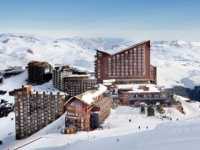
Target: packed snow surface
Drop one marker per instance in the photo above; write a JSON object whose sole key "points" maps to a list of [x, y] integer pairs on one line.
{"points": [[125, 127]]}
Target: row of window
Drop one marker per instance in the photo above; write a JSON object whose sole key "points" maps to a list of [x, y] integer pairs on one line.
{"points": [[129, 63]]}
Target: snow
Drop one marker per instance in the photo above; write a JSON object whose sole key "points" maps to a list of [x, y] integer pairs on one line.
{"points": [[14, 82], [90, 96], [7, 129], [20, 49], [174, 137], [191, 109], [136, 88], [119, 132], [177, 62], [78, 75], [55, 127]]}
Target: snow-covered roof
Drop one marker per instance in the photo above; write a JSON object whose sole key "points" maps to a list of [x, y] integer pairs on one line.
{"points": [[48, 92], [35, 90], [139, 88], [89, 96], [78, 75], [124, 49], [62, 67], [108, 82]]}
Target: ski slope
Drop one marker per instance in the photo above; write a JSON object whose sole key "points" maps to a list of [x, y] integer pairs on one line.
{"points": [[155, 132]]}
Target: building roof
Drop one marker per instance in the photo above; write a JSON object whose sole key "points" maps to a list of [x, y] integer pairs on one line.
{"points": [[139, 88], [69, 68], [123, 50], [77, 75], [108, 82], [135, 45], [39, 64], [104, 52], [62, 67], [89, 97], [28, 88]]}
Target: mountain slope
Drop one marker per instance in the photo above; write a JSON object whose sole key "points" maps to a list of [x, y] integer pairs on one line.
{"points": [[177, 61]]}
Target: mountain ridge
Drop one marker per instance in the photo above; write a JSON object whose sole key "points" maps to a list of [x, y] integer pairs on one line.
{"points": [[177, 61]]}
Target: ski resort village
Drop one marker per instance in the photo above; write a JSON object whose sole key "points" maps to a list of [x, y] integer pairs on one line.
{"points": [[120, 105]]}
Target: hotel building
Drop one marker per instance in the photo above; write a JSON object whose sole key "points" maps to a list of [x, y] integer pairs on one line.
{"points": [[131, 65]]}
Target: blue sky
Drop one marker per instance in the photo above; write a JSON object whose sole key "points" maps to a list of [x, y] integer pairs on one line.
{"points": [[139, 19]]}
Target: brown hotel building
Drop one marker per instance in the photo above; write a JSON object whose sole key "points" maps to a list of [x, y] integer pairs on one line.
{"points": [[131, 65]]}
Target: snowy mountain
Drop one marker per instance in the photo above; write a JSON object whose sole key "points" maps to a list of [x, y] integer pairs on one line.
{"points": [[177, 61]]}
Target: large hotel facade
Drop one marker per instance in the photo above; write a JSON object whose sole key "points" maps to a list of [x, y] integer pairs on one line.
{"points": [[131, 65]]}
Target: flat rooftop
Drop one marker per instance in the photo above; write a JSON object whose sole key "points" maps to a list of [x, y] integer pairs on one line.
{"points": [[139, 88]]}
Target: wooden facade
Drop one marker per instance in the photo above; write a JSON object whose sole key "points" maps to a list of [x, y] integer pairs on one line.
{"points": [[80, 115], [77, 114]]}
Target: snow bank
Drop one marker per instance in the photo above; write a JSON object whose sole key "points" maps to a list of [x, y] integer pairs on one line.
{"points": [[7, 130]]}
